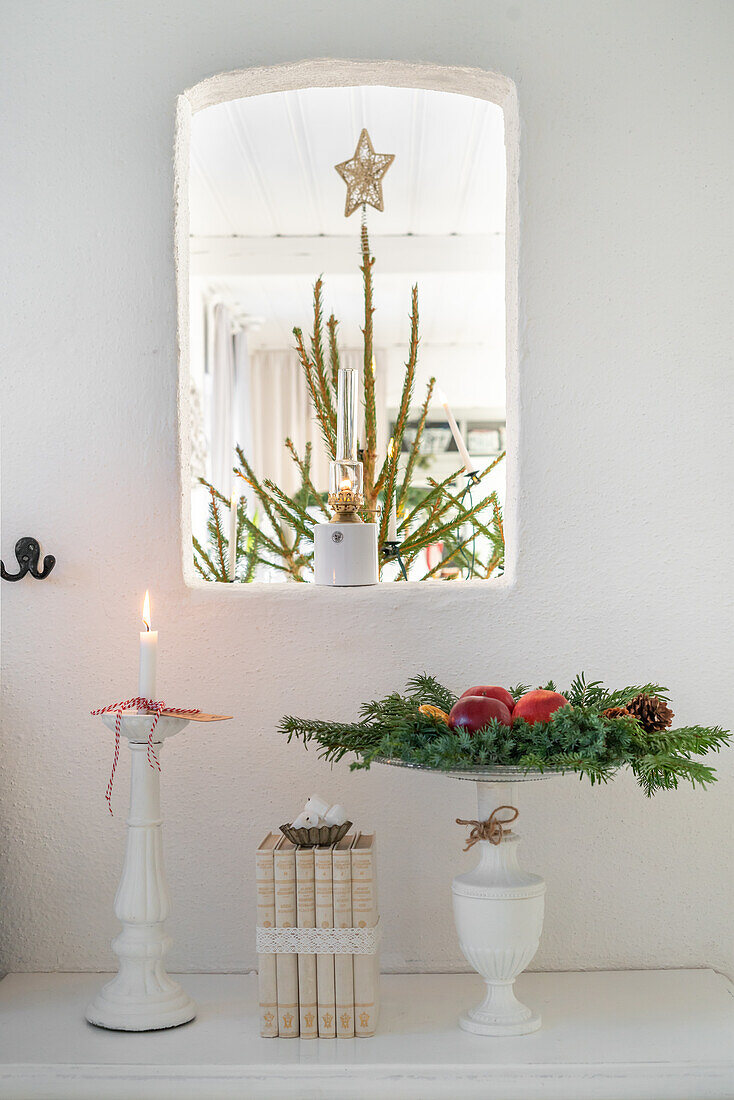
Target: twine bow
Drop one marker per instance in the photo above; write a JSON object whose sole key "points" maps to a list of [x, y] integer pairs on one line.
{"points": [[152, 706], [493, 829]]}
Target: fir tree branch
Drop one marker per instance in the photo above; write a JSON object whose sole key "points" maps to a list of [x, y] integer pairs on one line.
{"points": [[317, 351], [216, 522], [493, 463], [427, 689], [213, 574], [332, 324], [492, 565], [304, 469], [219, 496], [292, 513], [662, 771], [407, 394], [392, 471], [425, 504], [263, 538], [322, 413], [498, 523], [248, 476], [416, 446], [409, 379], [273, 509], [200, 569], [417, 541], [252, 556], [370, 413], [449, 557]]}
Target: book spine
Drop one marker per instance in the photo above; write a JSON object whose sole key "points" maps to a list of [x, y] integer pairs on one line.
{"points": [[343, 965], [286, 966], [325, 963], [306, 910], [266, 979], [364, 914]]}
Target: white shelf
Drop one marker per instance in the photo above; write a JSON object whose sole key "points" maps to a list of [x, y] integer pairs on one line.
{"points": [[624, 1035]]}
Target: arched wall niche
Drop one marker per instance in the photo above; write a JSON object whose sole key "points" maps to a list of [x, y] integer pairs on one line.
{"points": [[344, 73]]}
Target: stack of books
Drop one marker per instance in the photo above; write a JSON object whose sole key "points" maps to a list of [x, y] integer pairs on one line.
{"points": [[317, 995]]}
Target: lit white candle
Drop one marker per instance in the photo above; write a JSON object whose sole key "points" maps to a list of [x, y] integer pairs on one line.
{"points": [[148, 655], [232, 555], [469, 466], [392, 523]]}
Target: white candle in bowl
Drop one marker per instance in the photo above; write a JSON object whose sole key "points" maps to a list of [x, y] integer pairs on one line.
{"points": [[469, 466], [316, 805], [148, 655], [336, 815]]}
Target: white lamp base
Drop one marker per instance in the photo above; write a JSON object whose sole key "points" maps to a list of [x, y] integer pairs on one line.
{"points": [[345, 554]]}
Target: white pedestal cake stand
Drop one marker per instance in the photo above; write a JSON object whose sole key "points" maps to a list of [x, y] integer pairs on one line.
{"points": [[142, 997], [498, 907]]}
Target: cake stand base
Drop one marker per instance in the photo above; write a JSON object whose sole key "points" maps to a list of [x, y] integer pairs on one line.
{"points": [[500, 1013], [498, 910]]}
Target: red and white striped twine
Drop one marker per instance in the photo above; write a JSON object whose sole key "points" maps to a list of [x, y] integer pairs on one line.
{"points": [[153, 706]]}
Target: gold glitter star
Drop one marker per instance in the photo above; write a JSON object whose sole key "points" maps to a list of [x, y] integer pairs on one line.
{"points": [[363, 175]]}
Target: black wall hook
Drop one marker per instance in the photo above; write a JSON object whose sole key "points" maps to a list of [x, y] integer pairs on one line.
{"points": [[28, 551]]}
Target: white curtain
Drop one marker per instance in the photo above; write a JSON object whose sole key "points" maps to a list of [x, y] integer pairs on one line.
{"points": [[220, 366], [280, 409]]}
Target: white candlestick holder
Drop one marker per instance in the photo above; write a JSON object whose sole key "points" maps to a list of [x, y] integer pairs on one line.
{"points": [[141, 996]]}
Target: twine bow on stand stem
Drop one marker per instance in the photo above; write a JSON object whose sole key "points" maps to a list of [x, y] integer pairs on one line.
{"points": [[150, 706], [493, 829]]}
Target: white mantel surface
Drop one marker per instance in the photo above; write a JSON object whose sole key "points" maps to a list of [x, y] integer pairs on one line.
{"points": [[616, 1035]]}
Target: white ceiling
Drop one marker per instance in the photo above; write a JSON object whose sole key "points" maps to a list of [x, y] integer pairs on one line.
{"points": [[267, 217], [448, 306], [264, 166]]}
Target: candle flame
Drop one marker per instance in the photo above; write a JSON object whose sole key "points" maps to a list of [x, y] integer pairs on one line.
{"points": [[441, 396], [146, 610], [391, 448], [345, 483]]}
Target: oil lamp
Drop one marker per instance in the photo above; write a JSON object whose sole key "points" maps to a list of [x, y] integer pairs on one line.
{"points": [[345, 550]]}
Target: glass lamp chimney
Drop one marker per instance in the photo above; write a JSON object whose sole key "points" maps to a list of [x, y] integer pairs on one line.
{"points": [[346, 415], [345, 472]]}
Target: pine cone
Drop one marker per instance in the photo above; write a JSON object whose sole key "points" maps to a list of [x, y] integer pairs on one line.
{"points": [[615, 712], [651, 712]]}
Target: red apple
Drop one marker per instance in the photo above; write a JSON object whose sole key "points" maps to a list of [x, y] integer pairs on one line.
{"points": [[537, 706], [473, 712], [492, 692]]}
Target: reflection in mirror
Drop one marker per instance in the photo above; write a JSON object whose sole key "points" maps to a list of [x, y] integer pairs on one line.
{"points": [[391, 268]]}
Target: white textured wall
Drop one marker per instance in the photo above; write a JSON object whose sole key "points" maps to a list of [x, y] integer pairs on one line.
{"points": [[624, 514]]}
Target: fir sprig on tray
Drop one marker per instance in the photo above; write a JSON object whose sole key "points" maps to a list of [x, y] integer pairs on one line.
{"points": [[578, 738]]}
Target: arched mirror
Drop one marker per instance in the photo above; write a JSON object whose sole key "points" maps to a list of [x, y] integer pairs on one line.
{"points": [[347, 275]]}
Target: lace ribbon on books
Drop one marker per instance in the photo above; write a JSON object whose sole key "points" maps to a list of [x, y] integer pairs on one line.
{"points": [[139, 703], [493, 829], [318, 941]]}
